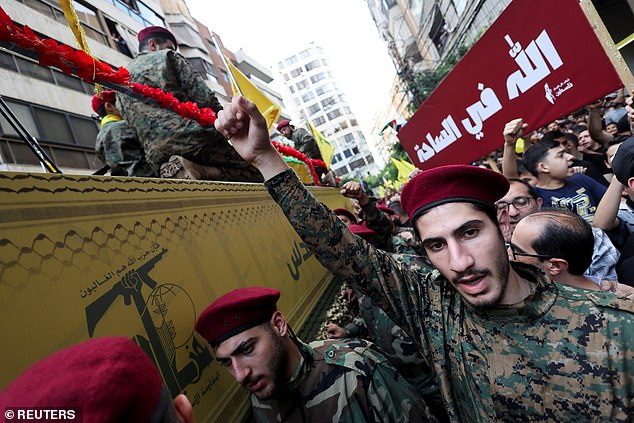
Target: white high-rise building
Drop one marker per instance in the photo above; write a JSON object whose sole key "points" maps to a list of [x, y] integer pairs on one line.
{"points": [[310, 82]]}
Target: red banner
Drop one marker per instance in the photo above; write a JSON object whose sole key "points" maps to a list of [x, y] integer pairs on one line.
{"points": [[539, 60]]}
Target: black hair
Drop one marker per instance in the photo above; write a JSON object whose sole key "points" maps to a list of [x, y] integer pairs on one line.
{"points": [[567, 236], [577, 129], [552, 135], [396, 206], [572, 138], [143, 45], [531, 190], [535, 155], [101, 110]]}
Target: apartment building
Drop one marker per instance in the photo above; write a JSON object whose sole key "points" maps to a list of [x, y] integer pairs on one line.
{"points": [[313, 87]]}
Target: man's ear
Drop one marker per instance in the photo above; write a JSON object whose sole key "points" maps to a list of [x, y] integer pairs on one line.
{"points": [[630, 183], [184, 409], [279, 324], [539, 202], [543, 167], [556, 266]]}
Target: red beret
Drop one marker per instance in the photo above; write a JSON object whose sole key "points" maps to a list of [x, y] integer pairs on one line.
{"points": [[283, 123], [385, 209], [362, 231], [346, 213], [235, 312], [103, 379], [453, 183], [107, 96], [156, 31]]}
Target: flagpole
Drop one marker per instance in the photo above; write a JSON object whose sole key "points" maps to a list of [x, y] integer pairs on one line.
{"points": [[224, 61]]}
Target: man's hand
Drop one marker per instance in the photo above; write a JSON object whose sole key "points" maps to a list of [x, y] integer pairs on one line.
{"points": [[513, 130], [335, 331], [619, 289], [245, 126], [354, 190]]}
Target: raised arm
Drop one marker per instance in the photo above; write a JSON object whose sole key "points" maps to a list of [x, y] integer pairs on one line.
{"points": [[512, 131], [401, 293], [605, 216]]}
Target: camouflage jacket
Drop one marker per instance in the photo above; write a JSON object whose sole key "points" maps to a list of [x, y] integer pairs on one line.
{"points": [[398, 345], [343, 381], [118, 147], [563, 354], [164, 133], [304, 142]]}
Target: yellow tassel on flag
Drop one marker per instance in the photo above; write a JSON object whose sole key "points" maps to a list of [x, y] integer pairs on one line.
{"points": [[78, 31]]}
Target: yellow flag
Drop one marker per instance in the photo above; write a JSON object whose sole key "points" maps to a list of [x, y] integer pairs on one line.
{"points": [[325, 148], [404, 169], [269, 110]]}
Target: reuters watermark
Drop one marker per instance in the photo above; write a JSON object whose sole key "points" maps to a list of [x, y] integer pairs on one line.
{"points": [[31, 414]]}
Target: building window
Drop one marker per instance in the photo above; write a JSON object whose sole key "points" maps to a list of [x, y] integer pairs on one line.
{"points": [[357, 164], [348, 138], [336, 158], [353, 122], [301, 85], [334, 114], [52, 125], [328, 102], [307, 97], [313, 109], [312, 65], [292, 89], [205, 69], [369, 159], [355, 150], [225, 76], [347, 153], [321, 90], [343, 124], [318, 77], [304, 54], [286, 77], [319, 121], [296, 72], [291, 60]]}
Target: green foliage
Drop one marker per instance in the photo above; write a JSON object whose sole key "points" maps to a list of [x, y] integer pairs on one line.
{"points": [[425, 82]]}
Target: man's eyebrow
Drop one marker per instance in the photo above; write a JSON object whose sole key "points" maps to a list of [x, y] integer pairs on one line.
{"points": [[238, 349], [466, 225]]}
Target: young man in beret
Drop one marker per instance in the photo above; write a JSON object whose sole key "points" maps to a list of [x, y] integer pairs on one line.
{"points": [[102, 380], [117, 145], [290, 381], [507, 343], [175, 146]]}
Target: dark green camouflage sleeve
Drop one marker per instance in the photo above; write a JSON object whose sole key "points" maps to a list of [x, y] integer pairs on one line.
{"points": [[379, 223], [404, 294], [194, 87]]}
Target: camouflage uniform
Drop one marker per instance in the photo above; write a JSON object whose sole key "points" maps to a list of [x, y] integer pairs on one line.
{"points": [[372, 322], [562, 354], [163, 133], [304, 142], [343, 381], [118, 147]]}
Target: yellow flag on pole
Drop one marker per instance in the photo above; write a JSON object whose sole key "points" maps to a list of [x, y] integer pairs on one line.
{"points": [[269, 110], [404, 169], [325, 148]]}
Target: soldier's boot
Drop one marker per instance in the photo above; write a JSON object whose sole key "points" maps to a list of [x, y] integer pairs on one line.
{"points": [[178, 167]]}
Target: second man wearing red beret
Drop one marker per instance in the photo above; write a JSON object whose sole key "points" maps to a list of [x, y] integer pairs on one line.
{"points": [[290, 381]]}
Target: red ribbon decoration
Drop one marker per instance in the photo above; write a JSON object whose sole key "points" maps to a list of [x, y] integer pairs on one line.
{"points": [[93, 71]]}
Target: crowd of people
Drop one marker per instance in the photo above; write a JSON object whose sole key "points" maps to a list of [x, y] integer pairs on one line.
{"points": [[482, 296]]}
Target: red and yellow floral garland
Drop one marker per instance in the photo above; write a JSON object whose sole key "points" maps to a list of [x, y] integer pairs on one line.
{"points": [[70, 60]]}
